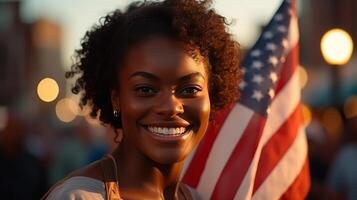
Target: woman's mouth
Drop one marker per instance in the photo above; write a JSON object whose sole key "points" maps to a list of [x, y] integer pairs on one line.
{"points": [[169, 131]]}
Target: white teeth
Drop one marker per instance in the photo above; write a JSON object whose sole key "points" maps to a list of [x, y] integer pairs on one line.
{"points": [[166, 130]]}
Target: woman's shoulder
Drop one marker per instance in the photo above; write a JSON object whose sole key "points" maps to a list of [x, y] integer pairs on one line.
{"points": [[78, 187], [85, 183]]}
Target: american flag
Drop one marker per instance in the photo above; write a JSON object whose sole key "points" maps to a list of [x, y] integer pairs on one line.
{"points": [[256, 148]]}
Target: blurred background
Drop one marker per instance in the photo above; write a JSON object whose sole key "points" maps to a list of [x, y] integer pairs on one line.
{"points": [[44, 135]]}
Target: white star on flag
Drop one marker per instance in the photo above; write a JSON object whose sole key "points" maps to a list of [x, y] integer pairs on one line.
{"points": [[268, 110], [257, 64], [268, 35], [285, 43], [243, 70], [273, 76], [273, 60], [271, 93], [258, 79], [256, 53], [270, 46], [278, 17], [282, 29], [242, 85], [258, 95]]}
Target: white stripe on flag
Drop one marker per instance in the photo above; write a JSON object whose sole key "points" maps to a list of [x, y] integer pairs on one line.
{"points": [[293, 37], [282, 106], [281, 109], [222, 148], [246, 188], [288, 168]]}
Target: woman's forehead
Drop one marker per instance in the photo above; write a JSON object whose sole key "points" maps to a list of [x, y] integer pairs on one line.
{"points": [[162, 54]]}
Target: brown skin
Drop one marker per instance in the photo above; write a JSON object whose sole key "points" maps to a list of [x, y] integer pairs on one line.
{"points": [[159, 85]]}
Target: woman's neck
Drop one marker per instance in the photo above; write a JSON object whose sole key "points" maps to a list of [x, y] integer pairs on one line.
{"points": [[140, 176]]}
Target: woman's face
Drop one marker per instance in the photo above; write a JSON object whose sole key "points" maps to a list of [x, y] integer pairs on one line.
{"points": [[163, 99]]}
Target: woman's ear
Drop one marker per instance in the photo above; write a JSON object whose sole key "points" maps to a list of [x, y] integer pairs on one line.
{"points": [[114, 97]]}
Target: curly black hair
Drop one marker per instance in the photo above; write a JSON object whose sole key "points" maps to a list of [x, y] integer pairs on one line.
{"points": [[193, 22]]}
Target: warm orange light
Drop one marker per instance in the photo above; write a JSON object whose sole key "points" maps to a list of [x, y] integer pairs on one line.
{"points": [[332, 121], [73, 106], [303, 77], [306, 113], [64, 111], [47, 89], [350, 107], [336, 47]]}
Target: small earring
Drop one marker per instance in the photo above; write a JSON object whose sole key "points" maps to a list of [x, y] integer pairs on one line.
{"points": [[116, 113]]}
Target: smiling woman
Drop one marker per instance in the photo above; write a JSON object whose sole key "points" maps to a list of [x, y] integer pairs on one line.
{"points": [[158, 71], [162, 89]]}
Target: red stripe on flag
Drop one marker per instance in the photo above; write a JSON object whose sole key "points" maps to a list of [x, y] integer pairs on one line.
{"points": [[240, 160], [277, 146], [288, 68], [301, 186], [198, 162]]}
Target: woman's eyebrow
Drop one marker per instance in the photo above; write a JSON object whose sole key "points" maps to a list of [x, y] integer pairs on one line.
{"points": [[144, 74], [191, 76], [154, 77]]}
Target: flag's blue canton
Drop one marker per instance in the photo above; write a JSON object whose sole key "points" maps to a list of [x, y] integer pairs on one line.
{"points": [[261, 65]]}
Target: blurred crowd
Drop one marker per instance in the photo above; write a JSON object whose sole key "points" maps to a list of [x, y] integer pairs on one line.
{"points": [[333, 158], [33, 156]]}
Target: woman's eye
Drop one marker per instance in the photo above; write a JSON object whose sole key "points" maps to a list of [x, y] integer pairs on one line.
{"points": [[145, 90], [190, 90]]}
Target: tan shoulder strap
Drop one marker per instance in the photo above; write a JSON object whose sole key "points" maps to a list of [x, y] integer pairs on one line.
{"points": [[110, 177]]}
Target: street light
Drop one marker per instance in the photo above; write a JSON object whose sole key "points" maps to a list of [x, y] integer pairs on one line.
{"points": [[47, 89], [336, 47]]}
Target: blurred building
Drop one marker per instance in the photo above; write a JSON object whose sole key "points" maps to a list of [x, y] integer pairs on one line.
{"points": [[13, 50], [28, 53], [316, 18]]}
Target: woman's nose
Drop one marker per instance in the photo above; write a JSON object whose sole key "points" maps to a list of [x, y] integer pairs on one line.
{"points": [[169, 105]]}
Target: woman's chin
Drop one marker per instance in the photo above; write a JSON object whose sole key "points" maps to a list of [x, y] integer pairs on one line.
{"points": [[169, 157]]}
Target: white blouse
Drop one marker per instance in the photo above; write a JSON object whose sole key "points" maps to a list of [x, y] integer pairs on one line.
{"points": [[85, 188], [79, 188]]}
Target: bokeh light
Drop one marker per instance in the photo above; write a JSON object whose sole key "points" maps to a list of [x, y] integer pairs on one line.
{"points": [[350, 107], [336, 47], [303, 77], [306, 113], [47, 89], [73, 106], [64, 111], [332, 121]]}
